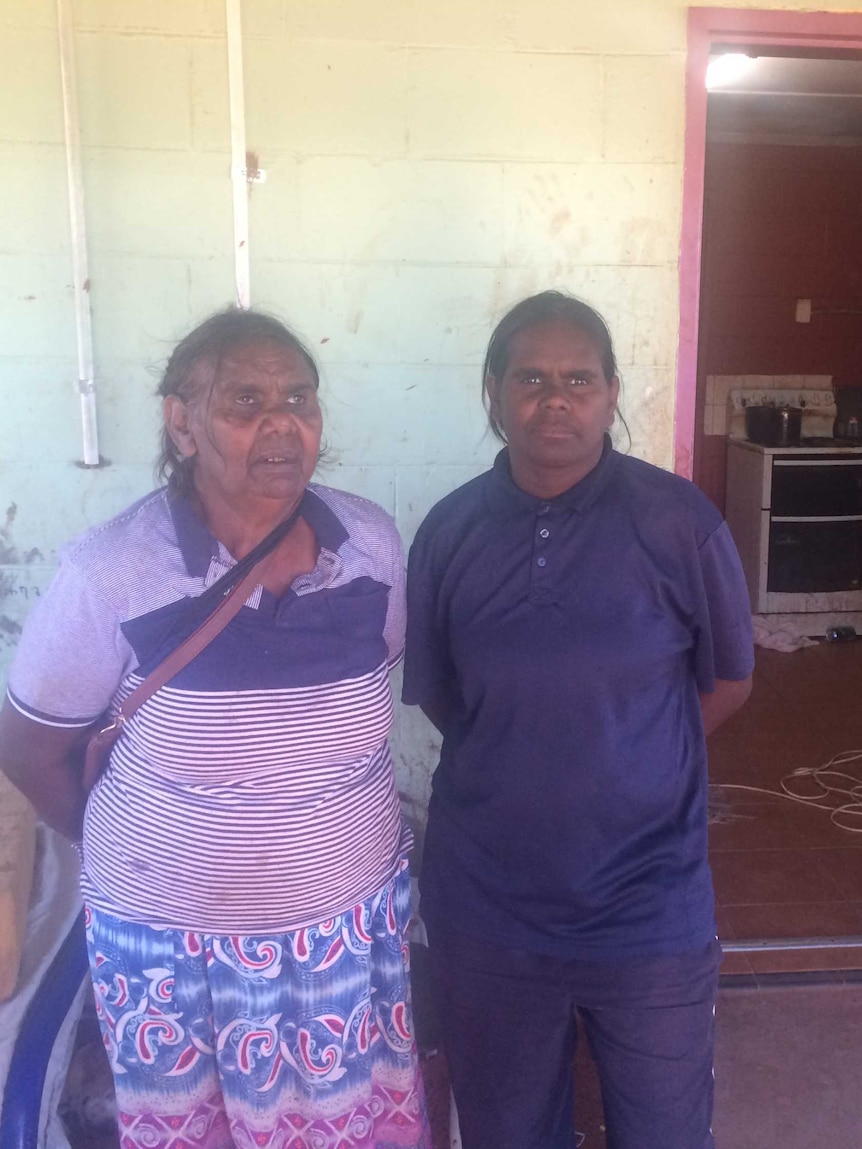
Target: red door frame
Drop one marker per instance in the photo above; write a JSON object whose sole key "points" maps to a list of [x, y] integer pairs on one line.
{"points": [[708, 26]]}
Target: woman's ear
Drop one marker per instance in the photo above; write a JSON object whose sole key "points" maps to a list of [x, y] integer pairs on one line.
{"points": [[493, 392], [614, 397], [177, 423]]}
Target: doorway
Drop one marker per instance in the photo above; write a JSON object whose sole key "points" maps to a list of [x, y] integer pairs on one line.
{"points": [[760, 156], [790, 33], [781, 254]]}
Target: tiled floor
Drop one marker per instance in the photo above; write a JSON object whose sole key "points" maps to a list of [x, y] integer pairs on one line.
{"points": [[782, 869]]}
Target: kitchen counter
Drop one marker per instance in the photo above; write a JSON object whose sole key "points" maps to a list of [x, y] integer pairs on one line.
{"points": [[800, 450]]}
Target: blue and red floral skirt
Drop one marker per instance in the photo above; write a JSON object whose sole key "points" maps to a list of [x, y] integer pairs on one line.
{"points": [[301, 1040]]}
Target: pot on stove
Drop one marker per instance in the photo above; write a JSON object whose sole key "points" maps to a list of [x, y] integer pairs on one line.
{"points": [[773, 426]]}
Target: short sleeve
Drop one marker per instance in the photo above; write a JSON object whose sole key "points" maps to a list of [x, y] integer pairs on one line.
{"points": [[71, 656], [427, 663], [725, 649], [396, 610]]}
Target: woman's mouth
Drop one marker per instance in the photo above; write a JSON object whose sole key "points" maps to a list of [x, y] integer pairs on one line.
{"points": [[276, 460], [554, 431]]}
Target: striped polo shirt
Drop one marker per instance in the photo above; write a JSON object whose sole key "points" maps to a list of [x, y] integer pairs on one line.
{"points": [[255, 791]]}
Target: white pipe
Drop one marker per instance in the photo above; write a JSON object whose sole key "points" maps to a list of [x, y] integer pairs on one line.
{"points": [[238, 173], [80, 272]]}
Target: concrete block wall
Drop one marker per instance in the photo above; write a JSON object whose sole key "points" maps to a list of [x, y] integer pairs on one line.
{"points": [[426, 166]]}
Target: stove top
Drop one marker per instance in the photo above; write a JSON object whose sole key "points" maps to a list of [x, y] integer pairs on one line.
{"points": [[828, 441], [808, 445]]}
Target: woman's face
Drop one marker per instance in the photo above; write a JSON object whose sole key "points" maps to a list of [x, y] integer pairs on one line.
{"points": [[255, 432], [554, 405]]}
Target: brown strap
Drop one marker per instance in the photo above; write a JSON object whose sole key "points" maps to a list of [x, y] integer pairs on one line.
{"points": [[209, 629]]}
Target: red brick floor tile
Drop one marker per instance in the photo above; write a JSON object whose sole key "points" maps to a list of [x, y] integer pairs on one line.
{"points": [[436, 1080], [845, 868], [724, 923], [763, 877], [773, 824], [805, 961], [589, 1112], [796, 920], [734, 965]]}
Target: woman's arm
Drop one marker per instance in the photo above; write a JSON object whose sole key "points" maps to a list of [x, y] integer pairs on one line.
{"points": [[724, 663], [440, 706], [725, 700], [44, 762], [429, 676]]}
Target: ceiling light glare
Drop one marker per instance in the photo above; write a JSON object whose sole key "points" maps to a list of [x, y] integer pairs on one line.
{"points": [[725, 70]]}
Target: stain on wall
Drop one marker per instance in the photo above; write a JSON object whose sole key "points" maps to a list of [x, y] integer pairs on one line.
{"points": [[9, 555]]}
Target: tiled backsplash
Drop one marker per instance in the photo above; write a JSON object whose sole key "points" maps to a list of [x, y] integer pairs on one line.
{"points": [[716, 411], [804, 397], [818, 408]]}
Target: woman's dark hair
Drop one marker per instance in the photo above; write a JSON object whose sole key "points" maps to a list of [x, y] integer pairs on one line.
{"points": [[194, 363], [546, 307]]}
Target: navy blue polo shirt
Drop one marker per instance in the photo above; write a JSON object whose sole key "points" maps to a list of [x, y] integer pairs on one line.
{"points": [[568, 813]]}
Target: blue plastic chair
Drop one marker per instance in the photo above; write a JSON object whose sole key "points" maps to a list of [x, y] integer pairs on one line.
{"points": [[22, 1097]]}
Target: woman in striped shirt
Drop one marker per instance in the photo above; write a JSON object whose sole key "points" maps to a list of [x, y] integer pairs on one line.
{"points": [[244, 869]]}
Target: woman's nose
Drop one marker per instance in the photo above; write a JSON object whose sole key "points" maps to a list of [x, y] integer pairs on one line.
{"points": [[556, 394], [280, 417]]}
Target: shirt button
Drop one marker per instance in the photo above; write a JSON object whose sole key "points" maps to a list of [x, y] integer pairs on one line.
{"points": [[543, 509], [542, 562], [544, 533]]}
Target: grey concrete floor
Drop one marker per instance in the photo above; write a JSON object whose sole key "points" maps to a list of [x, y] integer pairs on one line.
{"points": [[789, 1067]]}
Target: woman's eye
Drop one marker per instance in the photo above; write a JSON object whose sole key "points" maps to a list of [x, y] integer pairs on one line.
{"points": [[579, 381], [296, 400], [246, 400]]}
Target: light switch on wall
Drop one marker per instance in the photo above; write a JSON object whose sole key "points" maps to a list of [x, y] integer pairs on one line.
{"points": [[803, 310]]}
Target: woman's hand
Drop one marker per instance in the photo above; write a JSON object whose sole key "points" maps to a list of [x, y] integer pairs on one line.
{"points": [[45, 763], [725, 700]]}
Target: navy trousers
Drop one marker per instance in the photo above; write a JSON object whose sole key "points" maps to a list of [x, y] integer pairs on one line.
{"points": [[510, 1031]]}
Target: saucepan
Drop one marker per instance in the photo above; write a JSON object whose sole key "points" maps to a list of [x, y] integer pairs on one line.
{"points": [[773, 426]]}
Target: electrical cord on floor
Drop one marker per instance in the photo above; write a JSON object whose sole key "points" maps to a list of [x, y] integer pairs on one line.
{"points": [[826, 778]]}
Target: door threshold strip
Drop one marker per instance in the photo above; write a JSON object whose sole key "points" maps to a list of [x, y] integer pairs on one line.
{"points": [[771, 945]]}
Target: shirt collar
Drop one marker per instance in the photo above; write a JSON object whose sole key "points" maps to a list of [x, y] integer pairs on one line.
{"points": [[506, 496], [199, 547]]}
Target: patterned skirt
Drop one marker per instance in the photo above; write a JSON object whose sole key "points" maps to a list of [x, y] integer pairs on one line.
{"points": [[302, 1040]]}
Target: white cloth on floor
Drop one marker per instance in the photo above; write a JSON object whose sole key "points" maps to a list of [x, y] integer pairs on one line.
{"points": [[776, 635]]}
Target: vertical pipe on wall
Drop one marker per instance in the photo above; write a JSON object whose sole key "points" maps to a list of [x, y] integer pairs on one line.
{"points": [[81, 275], [239, 174]]}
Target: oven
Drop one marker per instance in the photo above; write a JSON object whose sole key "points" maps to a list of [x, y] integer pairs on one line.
{"points": [[815, 526], [796, 516]]}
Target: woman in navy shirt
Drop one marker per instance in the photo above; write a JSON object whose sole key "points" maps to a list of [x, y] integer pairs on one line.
{"points": [[577, 623]]}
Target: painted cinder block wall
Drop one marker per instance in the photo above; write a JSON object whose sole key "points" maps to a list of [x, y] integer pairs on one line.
{"points": [[426, 166]]}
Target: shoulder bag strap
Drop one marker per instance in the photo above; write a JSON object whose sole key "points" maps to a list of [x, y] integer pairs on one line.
{"points": [[230, 603]]}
